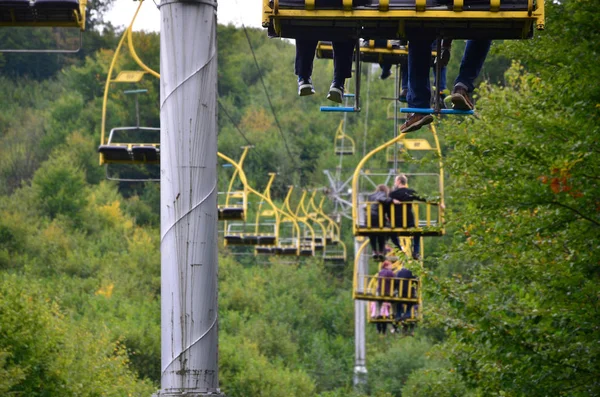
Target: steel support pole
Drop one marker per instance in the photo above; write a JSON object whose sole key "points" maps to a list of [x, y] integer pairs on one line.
{"points": [[360, 349], [188, 116]]}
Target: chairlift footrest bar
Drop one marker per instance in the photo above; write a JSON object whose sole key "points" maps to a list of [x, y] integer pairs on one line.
{"points": [[433, 111], [339, 109]]}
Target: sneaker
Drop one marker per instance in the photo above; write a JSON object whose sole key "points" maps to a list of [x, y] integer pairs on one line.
{"points": [[415, 121], [305, 86], [417, 257], [385, 73], [403, 94], [336, 92], [460, 98]]}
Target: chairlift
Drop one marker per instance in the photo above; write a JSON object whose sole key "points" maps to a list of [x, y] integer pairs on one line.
{"points": [[233, 203], [62, 14], [428, 215], [260, 232], [395, 290], [344, 145], [129, 145]]}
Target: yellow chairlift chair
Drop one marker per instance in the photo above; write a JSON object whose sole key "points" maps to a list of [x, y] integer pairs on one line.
{"points": [[319, 231], [288, 233], [403, 19], [307, 233], [373, 288], [233, 203], [118, 147], [264, 229], [428, 215], [63, 14], [344, 144]]}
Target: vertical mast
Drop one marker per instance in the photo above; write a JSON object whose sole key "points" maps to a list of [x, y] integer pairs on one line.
{"points": [[188, 115], [360, 349]]}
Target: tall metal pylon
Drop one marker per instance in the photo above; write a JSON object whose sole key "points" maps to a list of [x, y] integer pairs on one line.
{"points": [[188, 116]]}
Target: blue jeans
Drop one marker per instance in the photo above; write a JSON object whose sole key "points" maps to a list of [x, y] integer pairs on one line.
{"points": [[472, 62], [404, 77], [419, 60], [416, 245], [342, 58]]}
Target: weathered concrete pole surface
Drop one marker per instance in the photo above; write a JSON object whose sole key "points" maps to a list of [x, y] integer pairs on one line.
{"points": [[188, 116]]}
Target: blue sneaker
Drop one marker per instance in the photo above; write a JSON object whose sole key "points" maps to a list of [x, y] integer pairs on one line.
{"points": [[336, 92], [305, 86]]}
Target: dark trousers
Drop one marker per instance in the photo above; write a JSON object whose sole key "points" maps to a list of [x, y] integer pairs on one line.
{"points": [[419, 60], [416, 245], [342, 58], [381, 328], [395, 240], [472, 62], [377, 242]]}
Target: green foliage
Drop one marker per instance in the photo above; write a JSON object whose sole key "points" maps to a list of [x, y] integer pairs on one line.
{"points": [[59, 186], [43, 353]]}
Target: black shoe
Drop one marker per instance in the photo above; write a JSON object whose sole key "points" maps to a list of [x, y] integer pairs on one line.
{"points": [[460, 98], [336, 92], [415, 121], [417, 257], [403, 94], [305, 86], [385, 73]]}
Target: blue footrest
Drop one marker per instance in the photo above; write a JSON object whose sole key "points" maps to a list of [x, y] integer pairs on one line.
{"points": [[344, 109], [432, 111]]}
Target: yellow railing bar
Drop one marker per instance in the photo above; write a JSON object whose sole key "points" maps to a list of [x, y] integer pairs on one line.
{"points": [[235, 173], [356, 262], [267, 194], [253, 191]]}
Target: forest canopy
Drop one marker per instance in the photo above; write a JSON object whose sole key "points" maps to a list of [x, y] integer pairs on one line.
{"points": [[511, 299]]}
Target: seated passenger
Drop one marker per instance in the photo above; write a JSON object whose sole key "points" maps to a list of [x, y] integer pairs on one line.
{"points": [[419, 53], [380, 201], [342, 67], [406, 289], [384, 279], [381, 312], [402, 193], [377, 240]]}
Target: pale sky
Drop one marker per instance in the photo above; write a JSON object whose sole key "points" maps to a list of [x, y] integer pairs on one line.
{"points": [[237, 12]]}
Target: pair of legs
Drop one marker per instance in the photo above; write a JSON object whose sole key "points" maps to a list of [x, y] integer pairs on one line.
{"points": [[419, 96], [377, 242], [342, 66], [404, 311], [381, 328], [416, 247]]}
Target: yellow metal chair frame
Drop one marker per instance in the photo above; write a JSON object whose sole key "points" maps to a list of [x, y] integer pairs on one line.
{"points": [[369, 53], [75, 20], [112, 152], [320, 239], [344, 145], [385, 19], [366, 288], [286, 245], [424, 226], [235, 211], [25, 14], [236, 233], [307, 243]]}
